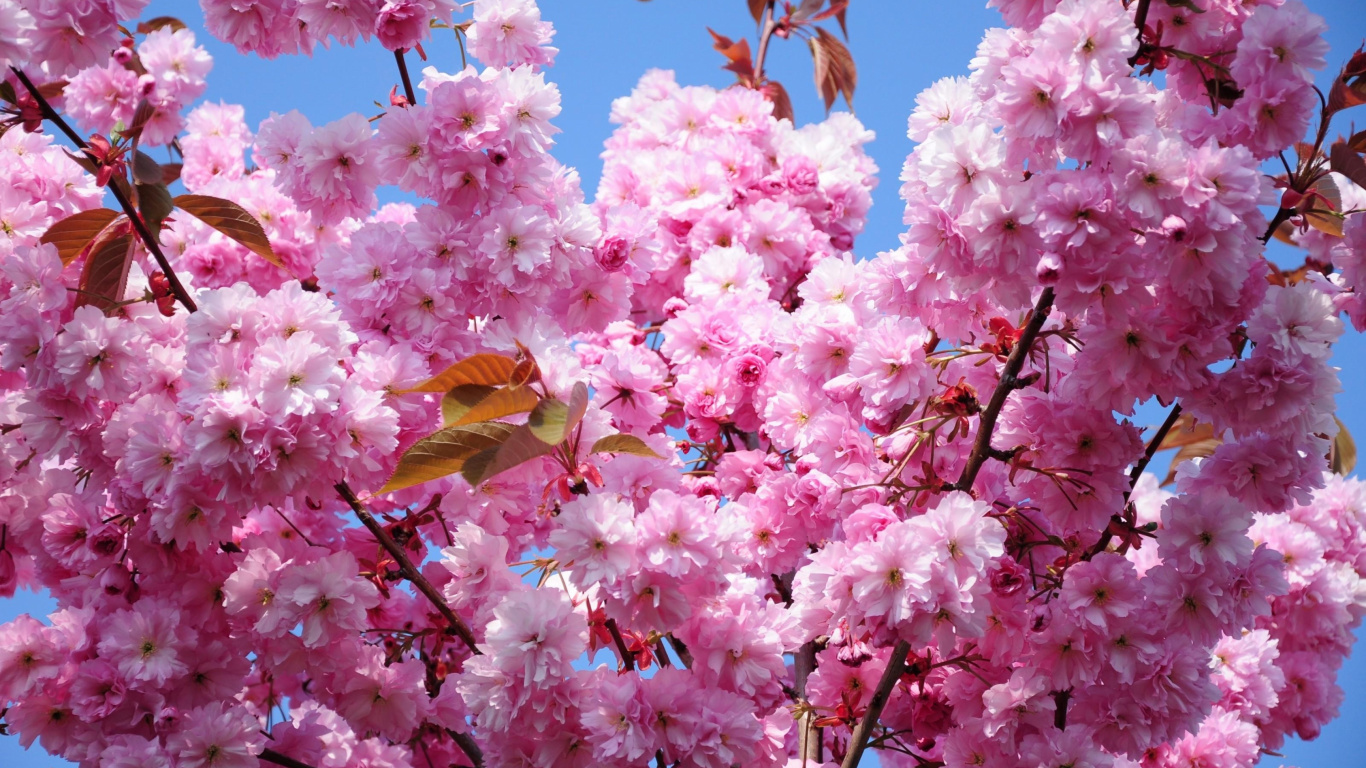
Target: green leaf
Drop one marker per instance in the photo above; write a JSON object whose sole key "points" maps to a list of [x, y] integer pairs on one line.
{"points": [[624, 444], [232, 220], [460, 400], [145, 169], [154, 203], [552, 420], [76, 232], [485, 369], [444, 453], [500, 403], [520, 447]]}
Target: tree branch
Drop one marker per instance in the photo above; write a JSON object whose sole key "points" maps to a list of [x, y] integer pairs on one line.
{"points": [[1153, 444], [410, 571], [407, 81], [1141, 21], [468, 746], [858, 741], [148, 239], [981, 448], [271, 756], [628, 659]]}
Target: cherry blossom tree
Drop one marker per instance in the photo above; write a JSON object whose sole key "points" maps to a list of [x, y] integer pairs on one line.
{"points": [[670, 477]]}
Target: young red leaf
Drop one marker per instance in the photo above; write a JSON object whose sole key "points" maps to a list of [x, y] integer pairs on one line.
{"points": [[76, 232], [232, 220], [1326, 215], [782, 103], [756, 9], [487, 369], [834, 69], [805, 10], [1348, 163], [737, 55], [1349, 87], [170, 173], [105, 275]]}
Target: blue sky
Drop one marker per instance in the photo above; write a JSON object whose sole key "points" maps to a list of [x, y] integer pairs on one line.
{"points": [[900, 46]]}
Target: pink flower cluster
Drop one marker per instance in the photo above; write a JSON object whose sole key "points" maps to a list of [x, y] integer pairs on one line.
{"points": [[912, 472], [270, 28]]}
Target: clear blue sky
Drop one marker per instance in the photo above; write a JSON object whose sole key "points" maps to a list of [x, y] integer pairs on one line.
{"points": [[900, 46]]}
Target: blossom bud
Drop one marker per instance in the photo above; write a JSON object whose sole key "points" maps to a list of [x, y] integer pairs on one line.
{"points": [[123, 55], [612, 253], [770, 185], [673, 306], [146, 84], [1049, 269], [105, 540], [115, 580]]}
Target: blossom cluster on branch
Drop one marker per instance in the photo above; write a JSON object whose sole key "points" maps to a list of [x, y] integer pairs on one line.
{"points": [[673, 478]]}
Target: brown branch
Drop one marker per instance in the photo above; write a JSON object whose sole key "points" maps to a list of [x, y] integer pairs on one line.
{"points": [[271, 756], [1151, 451], [148, 239], [628, 659], [468, 746], [981, 448], [858, 741], [410, 571], [407, 81]]}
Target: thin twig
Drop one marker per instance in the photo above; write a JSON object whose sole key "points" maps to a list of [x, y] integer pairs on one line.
{"points": [[409, 571], [1141, 21], [627, 657], [407, 81], [148, 239]]}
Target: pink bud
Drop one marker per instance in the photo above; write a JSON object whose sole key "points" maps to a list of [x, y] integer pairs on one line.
{"points": [[674, 305], [123, 55], [146, 84], [1049, 269]]}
